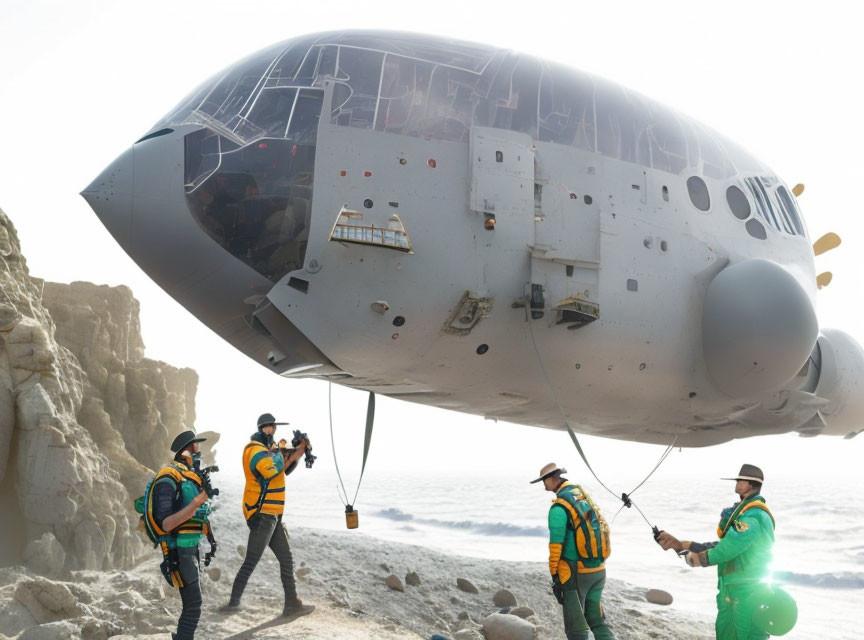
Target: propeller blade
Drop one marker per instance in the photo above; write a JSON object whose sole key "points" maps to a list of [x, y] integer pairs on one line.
{"points": [[798, 189], [827, 242], [824, 279]]}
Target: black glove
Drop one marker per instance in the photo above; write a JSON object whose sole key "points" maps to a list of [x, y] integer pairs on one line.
{"points": [[557, 589]]}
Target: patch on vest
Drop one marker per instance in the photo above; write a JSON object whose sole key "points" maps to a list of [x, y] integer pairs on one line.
{"points": [[741, 526]]}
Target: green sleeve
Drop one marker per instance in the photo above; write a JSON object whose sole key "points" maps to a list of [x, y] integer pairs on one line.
{"points": [[735, 542], [265, 464], [557, 524]]}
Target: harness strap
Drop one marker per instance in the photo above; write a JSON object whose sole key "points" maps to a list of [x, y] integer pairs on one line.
{"points": [[741, 510], [578, 522]]}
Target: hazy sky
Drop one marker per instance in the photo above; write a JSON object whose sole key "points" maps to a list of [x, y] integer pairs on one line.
{"points": [[82, 80]]}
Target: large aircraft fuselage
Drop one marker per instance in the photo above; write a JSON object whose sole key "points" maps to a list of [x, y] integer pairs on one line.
{"points": [[546, 241]]}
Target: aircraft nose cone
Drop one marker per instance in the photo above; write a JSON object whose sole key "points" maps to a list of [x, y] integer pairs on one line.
{"points": [[758, 327], [110, 196]]}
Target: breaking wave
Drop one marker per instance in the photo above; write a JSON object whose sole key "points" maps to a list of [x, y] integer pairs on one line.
{"points": [[839, 580], [480, 528]]}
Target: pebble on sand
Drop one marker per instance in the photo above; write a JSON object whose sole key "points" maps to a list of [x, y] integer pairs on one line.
{"points": [[412, 579], [658, 596], [394, 583], [466, 586], [505, 627], [504, 598]]}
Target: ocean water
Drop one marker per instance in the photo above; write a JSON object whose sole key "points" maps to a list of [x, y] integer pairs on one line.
{"points": [[818, 556]]}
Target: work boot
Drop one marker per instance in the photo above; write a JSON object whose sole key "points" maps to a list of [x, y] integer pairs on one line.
{"points": [[233, 606], [297, 609]]}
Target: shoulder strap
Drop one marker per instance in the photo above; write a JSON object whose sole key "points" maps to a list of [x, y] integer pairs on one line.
{"points": [[576, 521], [756, 503], [760, 505]]}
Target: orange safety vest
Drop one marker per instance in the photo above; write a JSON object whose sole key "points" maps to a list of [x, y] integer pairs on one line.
{"points": [[265, 481]]}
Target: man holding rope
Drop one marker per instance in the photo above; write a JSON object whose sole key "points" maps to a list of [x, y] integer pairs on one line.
{"points": [[742, 556]]}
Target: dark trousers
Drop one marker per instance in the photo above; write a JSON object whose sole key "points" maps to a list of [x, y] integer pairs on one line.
{"points": [[190, 594], [266, 530]]}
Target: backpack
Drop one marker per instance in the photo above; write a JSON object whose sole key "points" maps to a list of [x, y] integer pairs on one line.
{"points": [[144, 504], [590, 529]]}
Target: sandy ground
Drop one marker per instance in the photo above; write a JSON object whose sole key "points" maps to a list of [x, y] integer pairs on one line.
{"points": [[342, 573]]}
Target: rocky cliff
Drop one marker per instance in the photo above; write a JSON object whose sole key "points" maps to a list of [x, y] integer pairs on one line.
{"points": [[84, 418]]}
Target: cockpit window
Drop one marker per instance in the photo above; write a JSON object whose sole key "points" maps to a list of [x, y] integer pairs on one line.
{"points": [[738, 202], [791, 210], [774, 205], [256, 200], [437, 88], [698, 191]]}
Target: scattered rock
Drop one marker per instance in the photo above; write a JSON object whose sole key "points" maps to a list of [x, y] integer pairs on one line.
{"points": [[47, 601], [394, 583], [412, 579], [384, 567], [215, 574], [241, 550], [463, 615], [45, 555], [302, 572], [502, 627], [658, 596], [503, 598], [468, 634], [51, 631], [466, 586], [522, 612]]}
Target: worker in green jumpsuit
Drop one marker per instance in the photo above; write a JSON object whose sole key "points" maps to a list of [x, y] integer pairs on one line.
{"points": [[742, 556], [578, 547]]}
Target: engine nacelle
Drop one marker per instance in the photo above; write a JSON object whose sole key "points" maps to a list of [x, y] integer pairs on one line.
{"points": [[841, 382]]}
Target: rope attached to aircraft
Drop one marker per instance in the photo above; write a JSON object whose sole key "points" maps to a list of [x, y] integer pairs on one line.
{"points": [[625, 498]]}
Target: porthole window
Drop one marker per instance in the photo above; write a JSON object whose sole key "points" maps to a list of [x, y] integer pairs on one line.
{"points": [[738, 202], [665, 192], [756, 229], [698, 191]]}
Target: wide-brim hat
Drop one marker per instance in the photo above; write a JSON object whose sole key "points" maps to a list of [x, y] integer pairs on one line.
{"points": [[184, 440], [267, 418], [548, 471], [749, 472]]}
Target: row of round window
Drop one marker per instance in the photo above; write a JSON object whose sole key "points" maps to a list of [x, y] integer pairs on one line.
{"points": [[738, 203]]}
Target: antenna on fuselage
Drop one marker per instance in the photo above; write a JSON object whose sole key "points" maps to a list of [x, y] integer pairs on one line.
{"points": [[824, 244], [827, 242]]}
